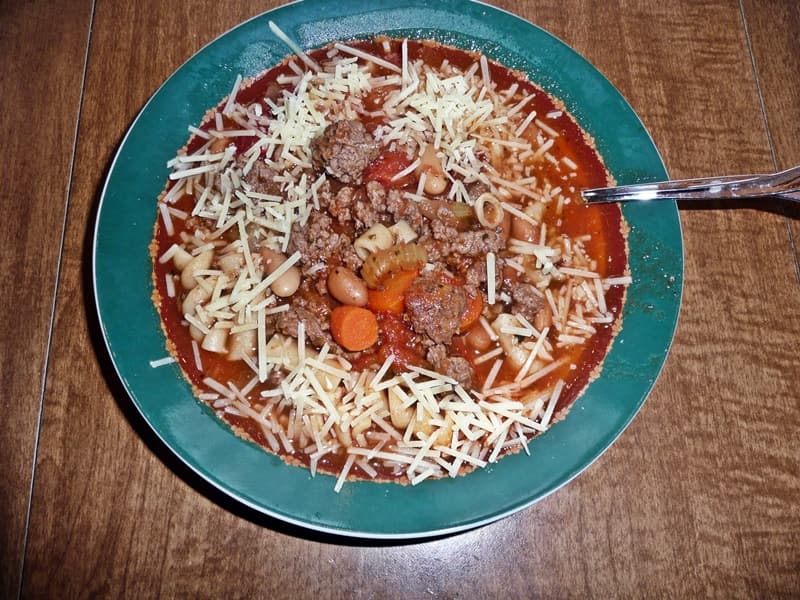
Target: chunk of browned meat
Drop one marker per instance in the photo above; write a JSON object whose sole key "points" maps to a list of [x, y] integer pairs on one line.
{"points": [[476, 189], [526, 300], [353, 208], [407, 210], [344, 149], [435, 308], [313, 310], [318, 243], [455, 367], [260, 178]]}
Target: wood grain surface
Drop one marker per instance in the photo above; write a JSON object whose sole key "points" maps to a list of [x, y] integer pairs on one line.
{"points": [[776, 56], [39, 105], [698, 498]]}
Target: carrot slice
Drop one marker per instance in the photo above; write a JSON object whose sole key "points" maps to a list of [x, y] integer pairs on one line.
{"points": [[472, 312], [390, 298], [354, 328]]}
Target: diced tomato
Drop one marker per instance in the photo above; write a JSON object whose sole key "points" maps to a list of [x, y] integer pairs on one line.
{"points": [[386, 166], [449, 279], [398, 339]]}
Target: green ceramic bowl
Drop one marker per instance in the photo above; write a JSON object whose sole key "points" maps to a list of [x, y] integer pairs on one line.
{"points": [[243, 471]]}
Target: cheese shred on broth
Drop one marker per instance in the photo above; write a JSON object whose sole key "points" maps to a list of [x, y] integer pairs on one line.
{"points": [[373, 260]]}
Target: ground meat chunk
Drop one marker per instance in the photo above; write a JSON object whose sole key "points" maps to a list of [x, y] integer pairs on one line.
{"points": [[356, 208], [407, 210], [455, 367], [345, 149], [435, 308], [318, 243], [340, 204], [476, 189], [313, 309], [445, 242], [476, 274], [526, 301], [260, 178]]}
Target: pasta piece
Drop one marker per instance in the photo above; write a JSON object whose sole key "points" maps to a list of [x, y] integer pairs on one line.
{"points": [[377, 237], [396, 258], [400, 414], [216, 340], [242, 343], [489, 211], [515, 354], [197, 295], [402, 232], [181, 258], [199, 263]]}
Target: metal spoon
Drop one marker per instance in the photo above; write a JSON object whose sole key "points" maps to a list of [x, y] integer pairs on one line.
{"points": [[784, 184]]}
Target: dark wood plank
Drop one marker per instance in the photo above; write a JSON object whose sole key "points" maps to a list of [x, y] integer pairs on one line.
{"points": [[773, 27], [697, 498], [43, 48], [776, 55]]}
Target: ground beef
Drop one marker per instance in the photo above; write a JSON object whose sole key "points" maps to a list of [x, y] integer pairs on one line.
{"points": [[313, 309], [476, 274], [399, 208], [344, 150], [260, 178], [455, 367], [367, 209], [317, 243], [374, 205], [463, 252], [357, 208], [435, 308], [476, 189], [340, 204], [526, 301]]}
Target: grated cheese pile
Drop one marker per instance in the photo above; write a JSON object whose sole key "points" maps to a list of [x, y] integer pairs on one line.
{"points": [[321, 405]]}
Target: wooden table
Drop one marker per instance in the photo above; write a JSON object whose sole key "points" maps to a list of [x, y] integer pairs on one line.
{"points": [[699, 497]]}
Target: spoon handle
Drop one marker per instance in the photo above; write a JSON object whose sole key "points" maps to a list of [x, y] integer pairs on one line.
{"points": [[784, 184]]}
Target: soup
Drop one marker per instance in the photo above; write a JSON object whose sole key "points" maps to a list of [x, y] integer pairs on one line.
{"points": [[373, 260]]}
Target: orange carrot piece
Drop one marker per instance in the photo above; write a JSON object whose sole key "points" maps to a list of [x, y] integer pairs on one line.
{"points": [[472, 312], [390, 298], [354, 328]]}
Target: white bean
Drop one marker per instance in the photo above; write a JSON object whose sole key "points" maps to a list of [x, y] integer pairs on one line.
{"points": [[443, 433], [543, 318], [514, 352], [431, 165], [288, 283], [231, 263], [347, 287], [523, 230], [497, 156], [535, 211], [479, 338]]}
